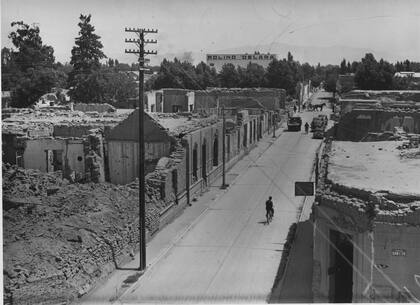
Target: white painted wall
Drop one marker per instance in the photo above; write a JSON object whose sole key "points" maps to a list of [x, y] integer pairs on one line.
{"points": [[151, 100], [34, 156]]}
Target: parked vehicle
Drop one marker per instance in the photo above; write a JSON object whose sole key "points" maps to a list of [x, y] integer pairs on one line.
{"points": [[318, 134], [318, 126], [294, 123], [324, 117]]}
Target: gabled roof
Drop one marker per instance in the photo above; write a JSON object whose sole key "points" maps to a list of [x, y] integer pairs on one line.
{"points": [[128, 130]]}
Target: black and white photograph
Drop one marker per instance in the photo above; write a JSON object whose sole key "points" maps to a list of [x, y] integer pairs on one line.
{"points": [[210, 152]]}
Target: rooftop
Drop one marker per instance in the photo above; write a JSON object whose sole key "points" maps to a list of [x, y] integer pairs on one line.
{"points": [[19, 120], [177, 124], [375, 167]]}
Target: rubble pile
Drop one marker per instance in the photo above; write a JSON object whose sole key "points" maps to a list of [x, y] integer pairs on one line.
{"points": [[410, 149], [59, 238]]}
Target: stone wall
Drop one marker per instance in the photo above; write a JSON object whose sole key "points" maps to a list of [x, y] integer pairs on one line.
{"points": [[74, 130]]}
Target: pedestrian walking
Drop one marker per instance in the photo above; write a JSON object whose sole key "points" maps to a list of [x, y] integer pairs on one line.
{"points": [[306, 127], [294, 109], [269, 210]]}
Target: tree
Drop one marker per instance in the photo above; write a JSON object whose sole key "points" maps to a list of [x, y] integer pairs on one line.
{"points": [[31, 53], [343, 67], [371, 75], [35, 83], [206, 76], [118, 86], [280, 75], [169, 75], [252, 76], [28, 69], [85, 80], [228, 76]]}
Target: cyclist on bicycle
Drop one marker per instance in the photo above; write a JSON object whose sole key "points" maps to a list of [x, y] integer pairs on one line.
{"points": [[269, 209]]}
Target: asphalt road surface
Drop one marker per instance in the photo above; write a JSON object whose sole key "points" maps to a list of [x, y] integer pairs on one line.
{"points": [[230, 254]]}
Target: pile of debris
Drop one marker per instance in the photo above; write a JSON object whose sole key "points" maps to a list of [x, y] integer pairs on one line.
{"points": [[60, 238]]}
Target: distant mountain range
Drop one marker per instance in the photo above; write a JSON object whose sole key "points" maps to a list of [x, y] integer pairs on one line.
{"points": [[311, 54]]}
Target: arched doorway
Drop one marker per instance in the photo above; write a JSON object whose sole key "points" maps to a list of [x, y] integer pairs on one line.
{"points": [[195, 165], [216, 151], [245, 139], [204, 160]]}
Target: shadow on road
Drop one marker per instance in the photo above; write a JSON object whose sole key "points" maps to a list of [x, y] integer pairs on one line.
{"points": [[294, 283]]}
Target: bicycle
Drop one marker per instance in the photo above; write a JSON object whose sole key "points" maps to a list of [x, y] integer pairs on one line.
{"points": [[269, 216]]}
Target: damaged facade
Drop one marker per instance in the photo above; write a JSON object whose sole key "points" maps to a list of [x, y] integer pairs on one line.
{"points": [[370, 115], [367, 223], [58, 140], [182, 100], [82, 231]]}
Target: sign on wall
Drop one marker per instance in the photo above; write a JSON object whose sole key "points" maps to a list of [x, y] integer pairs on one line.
{"points": [[398, 252], [304, 188]]}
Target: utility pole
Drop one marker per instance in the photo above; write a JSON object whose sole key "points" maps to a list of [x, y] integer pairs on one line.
{"points": [[140, 42]]}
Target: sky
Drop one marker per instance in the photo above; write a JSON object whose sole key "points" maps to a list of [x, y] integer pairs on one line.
{"points": [[202, 26]]}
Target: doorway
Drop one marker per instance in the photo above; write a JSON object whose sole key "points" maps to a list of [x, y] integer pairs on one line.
{"points": [[341, 268], [204, 161], [195, 165], [216, 151], [54, 160]]}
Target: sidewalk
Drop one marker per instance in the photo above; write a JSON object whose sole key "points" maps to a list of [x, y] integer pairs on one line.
{"points": [[120, 280]]}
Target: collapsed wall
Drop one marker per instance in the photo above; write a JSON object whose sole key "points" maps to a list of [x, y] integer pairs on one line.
{"points": [[61, 238], [363, 205]]}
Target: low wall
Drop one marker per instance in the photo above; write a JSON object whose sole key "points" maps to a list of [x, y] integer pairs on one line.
{"points": [[93, 107]]}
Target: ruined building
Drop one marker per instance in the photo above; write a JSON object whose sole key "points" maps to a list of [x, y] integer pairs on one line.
{"points": [[365, 112], [58, 140], [366, 221], [183, 100]]}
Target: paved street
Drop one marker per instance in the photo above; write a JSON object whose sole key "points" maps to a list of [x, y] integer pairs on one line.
{"points": [[221, 249]]}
